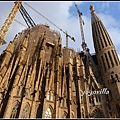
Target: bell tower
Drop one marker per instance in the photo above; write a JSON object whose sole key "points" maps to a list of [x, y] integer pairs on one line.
{"points": [[108, 62]]}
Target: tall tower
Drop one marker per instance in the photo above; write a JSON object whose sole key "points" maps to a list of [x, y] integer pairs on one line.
{"points": [[108, 62]]}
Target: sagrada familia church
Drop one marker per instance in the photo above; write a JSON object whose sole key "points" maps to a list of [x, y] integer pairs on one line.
{"points": [[41, 79]]}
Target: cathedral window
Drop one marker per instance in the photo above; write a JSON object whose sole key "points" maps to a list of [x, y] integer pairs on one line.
{"points": [[25, 112], [64, 115], [48, 113], [39, 112], [14, 111], [97, 113]]}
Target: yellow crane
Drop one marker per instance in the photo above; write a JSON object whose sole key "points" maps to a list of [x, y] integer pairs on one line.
{"points": [[30, 23], [8, 22], [11, 17]]}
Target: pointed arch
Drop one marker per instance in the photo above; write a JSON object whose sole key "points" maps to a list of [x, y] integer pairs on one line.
{"points": [[97, 113], [39, 111], [64, 114], [49, 112], [15, 110], [25, 111]]}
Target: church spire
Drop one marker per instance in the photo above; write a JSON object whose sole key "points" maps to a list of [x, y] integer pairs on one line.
{"points": [[95, 17], [104, 47], [107, 58]]}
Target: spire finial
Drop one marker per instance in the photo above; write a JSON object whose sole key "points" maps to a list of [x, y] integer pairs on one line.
{"points": [[91, 8]]}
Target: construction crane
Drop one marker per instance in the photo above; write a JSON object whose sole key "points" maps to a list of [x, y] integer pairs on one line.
{"points": [[8, 22], [67, 35], [89, 60], [30, 23], [11, 17], [84, 45]]}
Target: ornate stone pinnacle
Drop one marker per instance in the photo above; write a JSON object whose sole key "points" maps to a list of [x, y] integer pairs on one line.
{"points": [[91, 8]]}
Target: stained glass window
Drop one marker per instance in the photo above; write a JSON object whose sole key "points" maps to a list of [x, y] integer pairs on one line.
{"points": [[14, 111], [64, 115], [25, 112], [48, 113]]}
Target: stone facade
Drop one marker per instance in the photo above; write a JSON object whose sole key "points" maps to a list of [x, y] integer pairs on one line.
{"points": [[40, 79]]}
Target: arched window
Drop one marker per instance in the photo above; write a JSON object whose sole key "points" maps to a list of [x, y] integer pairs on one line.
{"points": [[64, 115], [25, 111], [14, 111], [97, 113], [39, 112], [118, 110], [48, 113]]}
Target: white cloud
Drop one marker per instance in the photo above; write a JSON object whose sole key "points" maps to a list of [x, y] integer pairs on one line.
{"points": [[58, 13]]}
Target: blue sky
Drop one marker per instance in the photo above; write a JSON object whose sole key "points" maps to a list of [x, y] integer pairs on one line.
{"points": [[64, 15]]}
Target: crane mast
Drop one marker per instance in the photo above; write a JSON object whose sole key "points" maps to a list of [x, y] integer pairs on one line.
{"points": [[8, 22], [11, 17], [30, 23], [84, 45]]}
